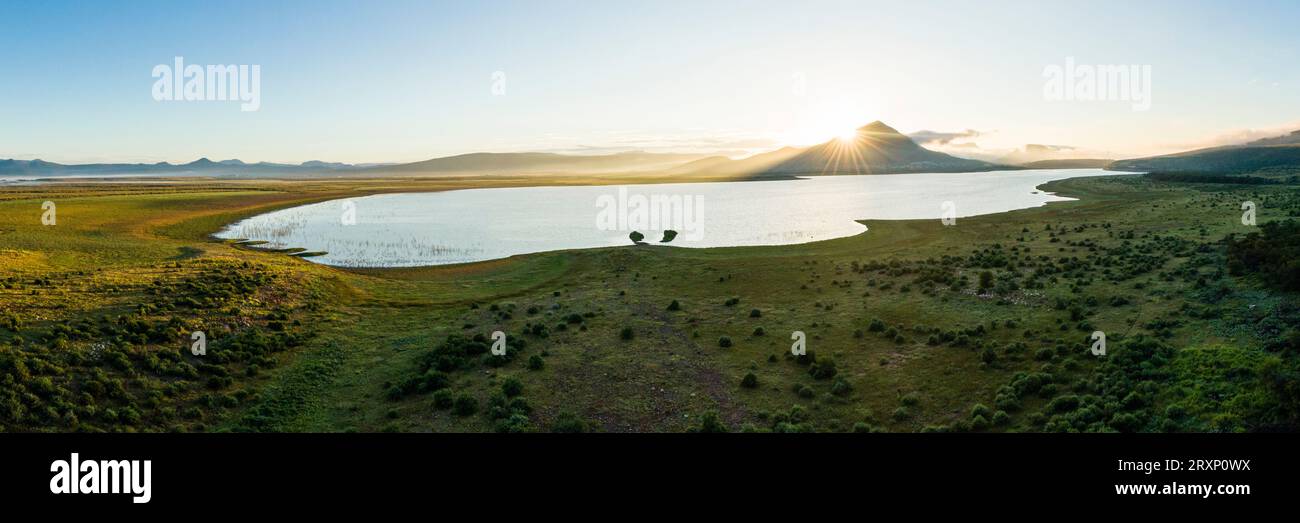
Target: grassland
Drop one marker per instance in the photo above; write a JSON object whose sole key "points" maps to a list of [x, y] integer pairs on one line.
{"points": [[981, 326]]}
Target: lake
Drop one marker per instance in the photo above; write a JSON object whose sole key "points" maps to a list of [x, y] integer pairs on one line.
{"points": [[437, 228]]}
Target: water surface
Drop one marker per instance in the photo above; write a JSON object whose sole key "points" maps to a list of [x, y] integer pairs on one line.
{"points": [[413, 229]]}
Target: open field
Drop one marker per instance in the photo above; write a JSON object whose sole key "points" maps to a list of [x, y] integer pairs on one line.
{"points": [[984, 325]]}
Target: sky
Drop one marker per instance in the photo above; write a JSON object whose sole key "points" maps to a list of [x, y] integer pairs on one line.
{"points": [[387, 81]]}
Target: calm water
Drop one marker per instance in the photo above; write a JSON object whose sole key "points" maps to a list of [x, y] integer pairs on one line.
{"points": [[402, 230]]}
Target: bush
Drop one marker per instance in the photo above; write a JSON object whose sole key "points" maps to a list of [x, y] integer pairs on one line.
{"points": [[636, 237], [1001, 418], [442, 399], [711, 424], [515, 424], [568, 423], [755, 313], [981, 411], [674, 306], [535, 362], [1063, 404], [901, 414], [841, 387], [750, 381], [456, 351], [724, 342], [1274, 253], [988, 356], [626, 334], [512, 387], [465, 405], [822, 369]]}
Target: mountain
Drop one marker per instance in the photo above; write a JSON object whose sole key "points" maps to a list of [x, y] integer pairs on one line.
{"points": [[1290, 139], [1069, 163], [724, 166], [201, 166], [534, 163], [875, 148], [1282, 152], [471, 164]]}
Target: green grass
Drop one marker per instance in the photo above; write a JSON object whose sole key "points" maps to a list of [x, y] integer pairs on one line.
{"points": [[1149, 243]]}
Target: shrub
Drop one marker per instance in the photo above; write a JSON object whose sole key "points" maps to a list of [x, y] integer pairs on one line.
{"points": [[512, 387], [465, 405], [535, 362], [674, 306], [841, 387], [901, 414], [442, 399], [515, 424], [797, 414], [755, 313], [1001, 418], [724, 342], [822, 369], [626, 334], [636, 237], [568, 423], [988, 356], [750, 381], [807, 358], [980, 410], [711, 424], [1063, 404], [1272, 252]]}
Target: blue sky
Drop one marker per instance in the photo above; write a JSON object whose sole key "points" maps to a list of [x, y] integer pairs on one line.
{"points": [[399, 81]]}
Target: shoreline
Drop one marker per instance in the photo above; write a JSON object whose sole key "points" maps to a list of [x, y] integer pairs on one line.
{"points": [[309, 254]]}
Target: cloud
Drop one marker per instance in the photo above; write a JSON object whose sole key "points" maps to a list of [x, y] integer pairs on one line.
{"points": [[1041, 148], [942, 138]]}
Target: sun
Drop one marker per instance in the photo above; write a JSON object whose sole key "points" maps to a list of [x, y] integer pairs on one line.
{"points": [[847, 136]]}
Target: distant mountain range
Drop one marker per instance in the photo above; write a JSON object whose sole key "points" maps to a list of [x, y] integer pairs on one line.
{"points": [[200, 166], [469, 164], [1069, 163], [875, 148], [1282, 152], [528, 163]]}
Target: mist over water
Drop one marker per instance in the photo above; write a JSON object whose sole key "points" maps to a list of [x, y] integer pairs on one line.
{"points": [[414, 229]]}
